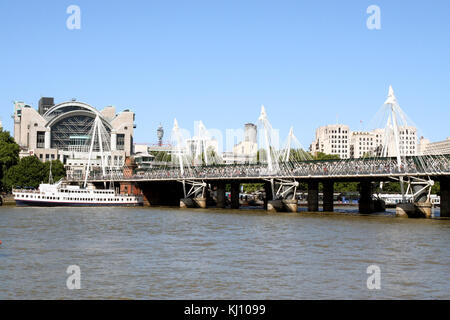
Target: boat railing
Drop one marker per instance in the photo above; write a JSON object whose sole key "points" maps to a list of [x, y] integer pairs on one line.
{"points": [[25, 191]]}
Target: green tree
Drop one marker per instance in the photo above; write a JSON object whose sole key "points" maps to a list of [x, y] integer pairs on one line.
{"points": [[436, 189], [261, 155], [252, 187], [58, 170], [324, 156], [346, 187], [9, 153], [296, 155], [29, 172]]}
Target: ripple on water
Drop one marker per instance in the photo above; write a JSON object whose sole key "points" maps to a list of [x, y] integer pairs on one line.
{"points": [[144, 253]]}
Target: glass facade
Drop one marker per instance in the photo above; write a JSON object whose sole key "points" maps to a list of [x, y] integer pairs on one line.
{"points": [[40, 139], [74, 133]]}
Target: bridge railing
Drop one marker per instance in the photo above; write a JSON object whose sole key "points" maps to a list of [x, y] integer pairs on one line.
{"points": [[354, 167]]}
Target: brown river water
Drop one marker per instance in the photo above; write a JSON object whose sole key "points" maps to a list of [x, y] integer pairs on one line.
{"points": [[169, 253]]}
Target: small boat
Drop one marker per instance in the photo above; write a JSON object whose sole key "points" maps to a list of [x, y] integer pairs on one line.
{"points": [[58, 195]]}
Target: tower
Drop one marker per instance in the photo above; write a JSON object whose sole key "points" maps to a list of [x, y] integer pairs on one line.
{"points": [[160, 134]]}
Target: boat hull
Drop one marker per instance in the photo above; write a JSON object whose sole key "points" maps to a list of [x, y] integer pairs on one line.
{"points": [[33, 203]]}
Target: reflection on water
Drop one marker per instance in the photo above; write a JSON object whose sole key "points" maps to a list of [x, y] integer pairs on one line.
{"points": [[153, 253]]}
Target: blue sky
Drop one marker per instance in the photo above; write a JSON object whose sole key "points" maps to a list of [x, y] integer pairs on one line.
{"points": [[309, 62]]}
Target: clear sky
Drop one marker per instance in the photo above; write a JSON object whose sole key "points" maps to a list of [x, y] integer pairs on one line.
{"points": [[310, 63]]}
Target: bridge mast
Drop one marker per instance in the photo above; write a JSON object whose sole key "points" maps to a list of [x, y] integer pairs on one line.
{"points": [[394, 108], [176, 131], [267, 129], [90, 151]]}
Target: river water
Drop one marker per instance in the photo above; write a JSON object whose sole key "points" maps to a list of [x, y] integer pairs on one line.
{"points": [[154, 253]]}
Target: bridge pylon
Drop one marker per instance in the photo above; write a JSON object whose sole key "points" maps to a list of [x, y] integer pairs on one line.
{"points": [[195, 197], [283, 195]]}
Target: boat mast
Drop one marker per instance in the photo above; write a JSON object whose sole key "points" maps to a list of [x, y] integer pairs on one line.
{"points": [[50, 176]]}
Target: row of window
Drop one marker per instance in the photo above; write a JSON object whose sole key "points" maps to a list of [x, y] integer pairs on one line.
{"points": [[77, 199], [47, 156], [86, 191]]}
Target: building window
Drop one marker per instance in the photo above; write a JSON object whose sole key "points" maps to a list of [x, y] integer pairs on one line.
{"points": [[120, 142]]}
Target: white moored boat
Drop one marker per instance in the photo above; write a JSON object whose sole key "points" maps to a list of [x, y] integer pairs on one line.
{"points": [[58, 194]]}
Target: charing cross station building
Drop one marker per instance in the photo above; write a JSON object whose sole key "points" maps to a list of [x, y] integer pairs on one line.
{"points": [[63, 131]]}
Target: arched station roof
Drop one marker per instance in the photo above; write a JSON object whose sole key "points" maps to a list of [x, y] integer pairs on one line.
{"points": [[72, 108]]}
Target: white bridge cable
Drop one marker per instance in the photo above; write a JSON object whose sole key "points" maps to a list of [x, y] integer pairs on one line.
{"points": [[192, 157]]}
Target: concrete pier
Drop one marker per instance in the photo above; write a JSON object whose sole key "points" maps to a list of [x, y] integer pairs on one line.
{"points": [[313, 196], [282, 205], [423, 209], [366, 204], [235, 188], [414, 210], [220, 195], [445, 197], [269, 194], [193, 203], [187, 203], [328, 196]]}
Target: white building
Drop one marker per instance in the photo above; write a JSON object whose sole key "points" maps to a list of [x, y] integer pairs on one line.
{"points": [[339, 140], [63, 132], [408, 142], [246, 150], [197, 147], [434, 148], [362, 143], [332, 139]]}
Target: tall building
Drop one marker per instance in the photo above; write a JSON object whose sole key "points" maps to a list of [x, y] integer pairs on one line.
{"points": [[332, 139], [340, 140], [408, 142], [246, 150], [45, 104], [64, 131], [366, 143], [199, 145], [434, 148]]}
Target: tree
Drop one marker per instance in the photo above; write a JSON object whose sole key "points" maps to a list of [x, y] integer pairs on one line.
{"points": [[324, 156], [58, 170], [252, 187], [9, 153], [261, 155], [29, 172]]}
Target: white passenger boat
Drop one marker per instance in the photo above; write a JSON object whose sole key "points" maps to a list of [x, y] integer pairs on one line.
{"points": [[58, 194]]}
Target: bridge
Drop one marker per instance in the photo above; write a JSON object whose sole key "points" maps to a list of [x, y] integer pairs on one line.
{"points": [[190, 179]]}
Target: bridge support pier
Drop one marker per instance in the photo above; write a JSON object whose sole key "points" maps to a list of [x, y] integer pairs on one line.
{"points": [[269, 194], [158, 194], [220, 195], [445, 197], [366, 204], [313, 196], [235, 186], [328, 196]]}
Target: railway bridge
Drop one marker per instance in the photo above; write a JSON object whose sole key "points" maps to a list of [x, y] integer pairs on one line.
{"points": [[190, 186]]}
